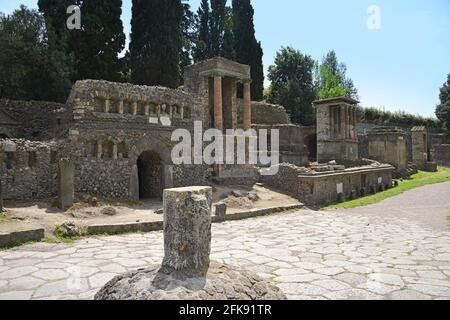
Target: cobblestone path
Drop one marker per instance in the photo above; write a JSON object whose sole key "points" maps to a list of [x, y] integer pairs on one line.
{"points": [[365, 253]]}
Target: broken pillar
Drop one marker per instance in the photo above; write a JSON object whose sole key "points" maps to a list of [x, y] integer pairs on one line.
{"points": [[187, 229], [66, 177]]}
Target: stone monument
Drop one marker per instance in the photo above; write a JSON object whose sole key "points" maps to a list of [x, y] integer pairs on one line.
{"points": [[186, 272]]}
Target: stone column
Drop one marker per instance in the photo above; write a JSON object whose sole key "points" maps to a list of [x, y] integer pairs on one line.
{"points": [[99, 149], [120, 106], [218, 113], [187, 230], [182, 111], [146, 110], [134, 108], [66, 177], [247, 106], [234, 108], [355, 122], [106, 106], [114, 155]]}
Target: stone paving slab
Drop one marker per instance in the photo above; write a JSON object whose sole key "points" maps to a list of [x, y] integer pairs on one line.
{"points": [[310, 255]]}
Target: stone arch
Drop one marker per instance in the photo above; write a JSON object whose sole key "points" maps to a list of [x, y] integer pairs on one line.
{"points": [[150, 174], [150, 153]]}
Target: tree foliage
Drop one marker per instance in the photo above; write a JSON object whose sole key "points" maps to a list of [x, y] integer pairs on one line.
{"points": [[247, 49], [31, 69], [156, 42], [95, 48], [292, 84], [202, 47], [333, 80], [443, 109]]}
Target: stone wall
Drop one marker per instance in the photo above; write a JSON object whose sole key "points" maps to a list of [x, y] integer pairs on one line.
{"points": [[109, 101], [322, 188], [388, 145], [265, 113], [28, 169], [33, 120], [442, 155]]}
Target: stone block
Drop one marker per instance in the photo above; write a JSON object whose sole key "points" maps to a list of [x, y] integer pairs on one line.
{"points": [[66, 177], [221, 210]]}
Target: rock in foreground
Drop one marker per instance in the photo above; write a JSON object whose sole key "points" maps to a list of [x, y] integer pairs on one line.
{"points": [[222, 282]]}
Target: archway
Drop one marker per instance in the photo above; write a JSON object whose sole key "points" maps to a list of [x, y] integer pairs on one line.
{"points": [[150, 173]]}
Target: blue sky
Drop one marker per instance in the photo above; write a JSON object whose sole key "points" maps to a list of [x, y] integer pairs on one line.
{"points": [[398, 67]]}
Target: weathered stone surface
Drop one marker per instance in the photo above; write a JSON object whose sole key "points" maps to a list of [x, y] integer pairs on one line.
{"points": [[187, 229], [221, 282]]}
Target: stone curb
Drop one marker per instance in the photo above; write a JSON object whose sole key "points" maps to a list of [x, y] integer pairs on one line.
{"points": [[19, 237], [159, 225]]}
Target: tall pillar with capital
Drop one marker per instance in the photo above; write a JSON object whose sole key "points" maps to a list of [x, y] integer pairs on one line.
{"points": [[355, 129], [218, 113], [247, 106]]}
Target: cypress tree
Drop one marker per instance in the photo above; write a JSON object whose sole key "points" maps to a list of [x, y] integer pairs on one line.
{"points": [[98, 45], [202, 47], [227, 50], [55, 14], [217, 26], [248, 49], [156, 42], [187, 27]]}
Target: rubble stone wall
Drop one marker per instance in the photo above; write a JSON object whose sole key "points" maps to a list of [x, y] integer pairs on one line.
{"points": [[28, 169]]}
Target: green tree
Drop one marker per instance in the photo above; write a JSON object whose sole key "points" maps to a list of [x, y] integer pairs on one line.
{"points": [[217, 26], [333, 80], [187, 27], [55, 14], [202, 48], [101, 39], [31, 69], [248, 50], [443, 109], [228, 50], [156, 42], [292, 84]]}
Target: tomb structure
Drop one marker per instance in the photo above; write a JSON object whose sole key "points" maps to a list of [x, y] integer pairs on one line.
{"points": [[337, 138], [388, 145]]}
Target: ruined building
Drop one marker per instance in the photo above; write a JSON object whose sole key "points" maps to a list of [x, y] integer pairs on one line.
{"points": [[114, 140]]}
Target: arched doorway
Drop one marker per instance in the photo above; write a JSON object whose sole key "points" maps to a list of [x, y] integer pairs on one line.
{"points": [[150, 173], [311, 141]]}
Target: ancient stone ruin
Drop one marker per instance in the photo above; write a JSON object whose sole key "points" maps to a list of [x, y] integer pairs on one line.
{"points": [[186, 272], [113, 140]]}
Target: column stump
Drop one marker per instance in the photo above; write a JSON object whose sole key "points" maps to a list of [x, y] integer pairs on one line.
{"points": [[186, 272]]}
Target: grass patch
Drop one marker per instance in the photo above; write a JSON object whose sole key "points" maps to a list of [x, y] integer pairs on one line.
{"points": [[419, 180]]}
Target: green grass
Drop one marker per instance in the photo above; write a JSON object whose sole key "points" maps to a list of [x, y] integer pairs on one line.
{"points": [[419, 180]]}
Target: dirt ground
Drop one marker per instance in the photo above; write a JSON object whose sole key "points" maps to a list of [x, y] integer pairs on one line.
{"points": [[23, 216]]}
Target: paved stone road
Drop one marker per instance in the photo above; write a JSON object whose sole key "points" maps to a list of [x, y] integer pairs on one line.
{"points": [[365, 253]]}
